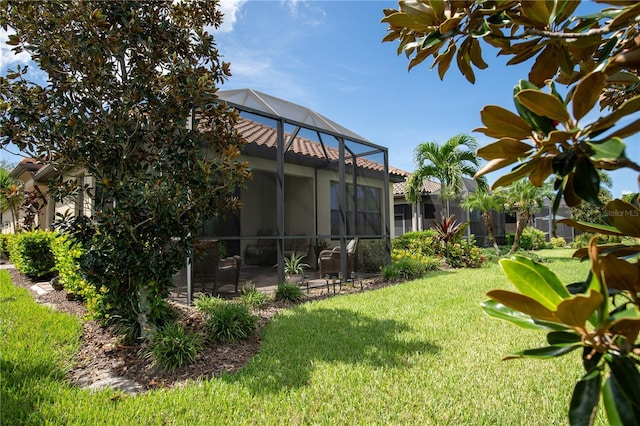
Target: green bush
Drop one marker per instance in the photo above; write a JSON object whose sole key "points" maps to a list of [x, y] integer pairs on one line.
{"points": [[582, 240], [418, 242], [171, 347], [228, 321], [370, 255], [67, 253], [4, 245], [464, 254], [289, 293], [531, 239], [409, 266], [252, 297], [558, 242], [31, 253]]}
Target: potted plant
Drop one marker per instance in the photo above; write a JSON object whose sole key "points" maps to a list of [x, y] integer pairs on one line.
{"points": [[294, 267]]}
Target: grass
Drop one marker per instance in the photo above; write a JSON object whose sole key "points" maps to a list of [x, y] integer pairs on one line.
{"points": [[421, 352]]}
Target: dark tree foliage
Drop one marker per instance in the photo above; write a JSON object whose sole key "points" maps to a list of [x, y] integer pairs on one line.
{"points": [[123, 80]]}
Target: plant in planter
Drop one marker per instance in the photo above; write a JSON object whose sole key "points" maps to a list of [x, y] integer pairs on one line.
{"points": [[294, 267]]}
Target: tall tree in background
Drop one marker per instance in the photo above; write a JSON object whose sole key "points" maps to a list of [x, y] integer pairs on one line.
{"points": [[11, 195], [448, 163], [523, 199], [596, 57], [123, 80], [484, 201]]}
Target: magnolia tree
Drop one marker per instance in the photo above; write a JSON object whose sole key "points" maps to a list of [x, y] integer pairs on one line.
{"points": [[130, 99], [595, 59]]}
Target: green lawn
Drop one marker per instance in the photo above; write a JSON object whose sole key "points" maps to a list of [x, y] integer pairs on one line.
{"points": [[421, 352]]}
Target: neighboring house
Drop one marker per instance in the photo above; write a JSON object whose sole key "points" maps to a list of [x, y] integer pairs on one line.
{"points": [[420, 216], [416, 217]]}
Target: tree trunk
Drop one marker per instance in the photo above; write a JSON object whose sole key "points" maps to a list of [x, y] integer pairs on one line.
{"points": [[144, 310], [522, 218], [486, 216]]}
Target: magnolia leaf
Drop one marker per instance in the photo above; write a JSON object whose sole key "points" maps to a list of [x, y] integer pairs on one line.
{"points": [[517, 173], [464, 62], [619, 273], [556, 136], [586, 181], [625, 217], [549, 276], [628, 130], [568, 193], [522, 303], [545, 66], [502, 312], [544, 104], [576, 310], [631, 106], [493, 165], [610, 149], [475, 53], [504, 122], [587, 93], [534, 281], [444, 60], [620, 250], [627, 327], [563, 338], [619, 409], [543, 170], [537, 122], [504, 148], [547, 352], [591, 227], [628, 378], [536, 12], [584, 401]]}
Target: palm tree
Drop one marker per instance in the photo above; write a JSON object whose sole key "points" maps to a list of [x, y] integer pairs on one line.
{"points": [[448, 163], [524, 199], [10, 196], [485, 201]]}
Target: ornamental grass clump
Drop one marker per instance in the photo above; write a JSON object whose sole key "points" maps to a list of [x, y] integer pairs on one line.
{"points": [[289, 293], [227, 321], [171, 347], [406, 265]]}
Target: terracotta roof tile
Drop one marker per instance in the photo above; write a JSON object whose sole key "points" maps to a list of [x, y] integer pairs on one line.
{"points": [[266, 136]]}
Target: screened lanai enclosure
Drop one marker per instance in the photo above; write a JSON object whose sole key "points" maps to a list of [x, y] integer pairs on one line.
{"points": [[315, 185]]}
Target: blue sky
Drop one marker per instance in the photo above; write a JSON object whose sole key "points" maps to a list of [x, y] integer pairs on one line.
{"points": [[329, 56]]}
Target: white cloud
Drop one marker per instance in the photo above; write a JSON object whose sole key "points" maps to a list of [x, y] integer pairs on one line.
{"points": [[7, 57], [231, 9]]}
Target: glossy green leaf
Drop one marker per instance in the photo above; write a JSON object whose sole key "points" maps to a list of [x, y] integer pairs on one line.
{"points": [[587, 93], [586, 181], [610, 149], [563, 337], [547, 352], [544, 104], [628, 377], [576, 310], [522, 303], [591, 227], [502, 312], [620, 411], [537, 122], [549, 276], [504, 123], [504, 148], [584, 401], [535, 281], [625, 217]]}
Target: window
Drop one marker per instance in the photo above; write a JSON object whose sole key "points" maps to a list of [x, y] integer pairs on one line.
{"points": [[365, 206]]}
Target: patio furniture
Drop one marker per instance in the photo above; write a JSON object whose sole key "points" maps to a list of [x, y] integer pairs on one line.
{"points": [[263, 252], [228, 272], [329, 260], [297, 246]]}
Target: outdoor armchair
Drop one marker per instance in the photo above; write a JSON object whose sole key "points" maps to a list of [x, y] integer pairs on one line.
{"points": [[329, 259]]}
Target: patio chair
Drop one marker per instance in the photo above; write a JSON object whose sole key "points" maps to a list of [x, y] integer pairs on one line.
{"points": [[263, 252], [329, 260], [297, 246]]}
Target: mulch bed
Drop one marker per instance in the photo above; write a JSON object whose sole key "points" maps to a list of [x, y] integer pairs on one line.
{"points": [[102, 351]]}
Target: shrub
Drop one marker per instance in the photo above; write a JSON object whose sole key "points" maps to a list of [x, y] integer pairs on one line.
{"points": [[582, 240], [206, 304], [538, 238], [229, 321], [171, 347], [252, 297], [370, 255], [4, 245], [31, 253], [409, 266], [67, 253], [418, 242], [558, 242], [289, 292], [464, 254]]}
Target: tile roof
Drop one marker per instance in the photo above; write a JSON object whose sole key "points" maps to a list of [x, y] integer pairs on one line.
{"points": [[428, 187], [266, 136]]}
